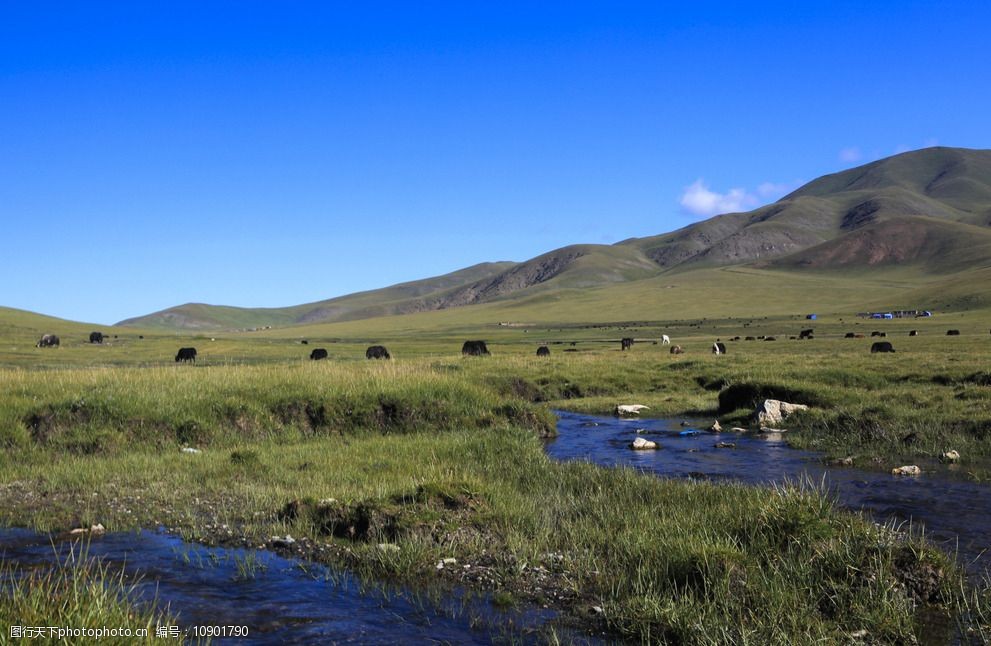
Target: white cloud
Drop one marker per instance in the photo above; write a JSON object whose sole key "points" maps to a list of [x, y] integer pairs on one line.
{"points": [[697, 199], [851, 155]]}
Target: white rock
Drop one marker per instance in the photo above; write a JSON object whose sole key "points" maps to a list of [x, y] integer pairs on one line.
{"points": [[950, 456], [774, 411], [630, 409], [95, 530], [908, 470], [737, 429], [768, 429], [189, 449], [640, 444], [716, 428]]}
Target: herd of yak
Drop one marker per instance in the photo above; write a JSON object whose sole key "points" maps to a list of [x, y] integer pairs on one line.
{"points": [[473, 348], [478, 348]]}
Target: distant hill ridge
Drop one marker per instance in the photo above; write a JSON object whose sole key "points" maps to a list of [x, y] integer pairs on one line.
{"points": [[930, 209]]}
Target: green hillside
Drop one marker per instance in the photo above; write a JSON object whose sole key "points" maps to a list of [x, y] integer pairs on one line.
{"points": [[923, 217]]}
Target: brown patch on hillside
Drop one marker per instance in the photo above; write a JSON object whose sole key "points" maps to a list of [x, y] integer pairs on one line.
{"points": [[901, 241]]}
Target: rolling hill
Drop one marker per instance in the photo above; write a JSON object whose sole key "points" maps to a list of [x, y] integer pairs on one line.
{"points": [[924, 215]]}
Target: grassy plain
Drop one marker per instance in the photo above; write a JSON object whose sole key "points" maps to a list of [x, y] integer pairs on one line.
{"points": [[439, 456]]}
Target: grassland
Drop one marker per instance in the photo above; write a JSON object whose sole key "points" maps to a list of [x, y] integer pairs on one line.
{"points": [[438, 456]]}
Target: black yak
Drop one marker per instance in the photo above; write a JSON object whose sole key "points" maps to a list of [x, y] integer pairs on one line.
{"points": [[377, 352], [474, 348]]}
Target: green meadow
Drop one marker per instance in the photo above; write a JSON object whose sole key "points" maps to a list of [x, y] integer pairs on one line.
{"points": [[389, 467]]}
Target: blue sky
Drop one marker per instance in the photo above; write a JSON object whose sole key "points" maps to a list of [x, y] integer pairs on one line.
{"points": [[268, 154]]}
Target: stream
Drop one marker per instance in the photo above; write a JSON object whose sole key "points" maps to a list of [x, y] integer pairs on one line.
{"points": [[954, 511], [281, 601]]}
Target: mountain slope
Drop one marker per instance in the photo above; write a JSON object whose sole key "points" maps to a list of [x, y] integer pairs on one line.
{"points": [[927, 210], [379, 302], [942, 183]]}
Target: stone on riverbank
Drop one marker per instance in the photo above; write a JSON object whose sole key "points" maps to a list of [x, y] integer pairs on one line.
{"points": [[950, 456], [630, 409], [774, 411], [908, 470], [93, 530]]}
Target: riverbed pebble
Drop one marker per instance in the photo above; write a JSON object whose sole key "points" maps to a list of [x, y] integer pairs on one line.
{"points": [[908, 470], [640, 444]]}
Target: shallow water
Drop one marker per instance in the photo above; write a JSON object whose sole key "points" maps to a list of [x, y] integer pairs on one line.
{"points": [[283, 601], [954, 511]]}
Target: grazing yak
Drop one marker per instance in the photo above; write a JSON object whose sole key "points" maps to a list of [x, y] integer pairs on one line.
{"points": [[377, 352], [665, 339], [543, 351], [317, 354], [750, 338], [186, 354], [881, 346], [805, 334], [718, 348], [850, 335], [96, 337], [304, 342], [913, 333], [953, 333], [626, 343], [48, 341], [474, 348], [676, 349]]}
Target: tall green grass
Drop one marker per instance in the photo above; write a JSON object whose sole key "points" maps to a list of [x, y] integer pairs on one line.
{"points": [[79, 593]]}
